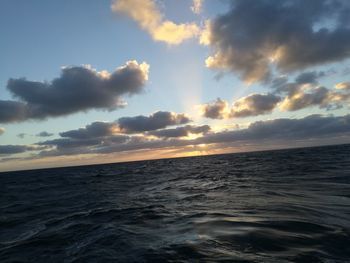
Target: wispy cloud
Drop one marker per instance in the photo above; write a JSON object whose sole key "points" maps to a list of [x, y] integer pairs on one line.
{"points": [[21, 135], [197, 6], [44, 134]]}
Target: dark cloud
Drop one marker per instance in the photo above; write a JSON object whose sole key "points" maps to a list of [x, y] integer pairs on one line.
{"points": [[216, 109], [107, 134], [181, 131], [317, 96], [310, 77], [62, 143], [70, 146], [93, 130], [84, 140], [135, 144], [14, 149], [158, 120], [254, 105], [21, 135], [137, 124], [290, 34], [311, 127], [11, 111], [84, 143], [305, 92], [77, 89], [318, 128], [44, 134], [251, 105]]}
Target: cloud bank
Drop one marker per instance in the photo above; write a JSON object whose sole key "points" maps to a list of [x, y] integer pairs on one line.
{"points": [[76, 89], [310, 127], [106, 134], [149, 17], [316, 128]]}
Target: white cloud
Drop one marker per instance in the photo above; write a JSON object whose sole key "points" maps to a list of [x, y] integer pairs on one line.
{"points": [[197, 6], [147, 14]]}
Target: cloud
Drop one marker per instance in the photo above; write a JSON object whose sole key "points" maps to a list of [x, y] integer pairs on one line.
{"points": [[317, 128], [2, 131], [93, 130], [62, 143], [103, 134], [319, 96], [107, 134], [21, 135], [197, 6], [11, 111], [181, 131], [15, 149], [302, 99], [155, 121], [255, 36], [343, 86], [251, 105], [147, 14], [77, 89], [305, 92], [94, 134], [217, 109], [310, 77], [41, 134], [254, 105], [310, 127], [44, 134]]}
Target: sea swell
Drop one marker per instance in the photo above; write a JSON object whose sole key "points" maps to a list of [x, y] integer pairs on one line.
{"points": [[275, 206]]}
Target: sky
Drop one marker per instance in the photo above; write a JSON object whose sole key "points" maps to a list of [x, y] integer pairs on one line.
{"points": [[86, 82]]}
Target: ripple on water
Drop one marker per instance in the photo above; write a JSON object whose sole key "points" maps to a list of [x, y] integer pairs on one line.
{"points": [[277, 206]]}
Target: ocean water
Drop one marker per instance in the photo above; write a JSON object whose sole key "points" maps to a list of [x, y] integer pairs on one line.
{"points": [[274, 206]]}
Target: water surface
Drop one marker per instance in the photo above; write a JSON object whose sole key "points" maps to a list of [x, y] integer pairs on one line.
{"points": [[275, 206]]}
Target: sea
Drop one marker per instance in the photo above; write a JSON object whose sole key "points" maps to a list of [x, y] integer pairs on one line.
{"points": [[271, 206]]}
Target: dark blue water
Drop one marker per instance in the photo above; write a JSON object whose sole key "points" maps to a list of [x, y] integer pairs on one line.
{"points": [[276, 206]]}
